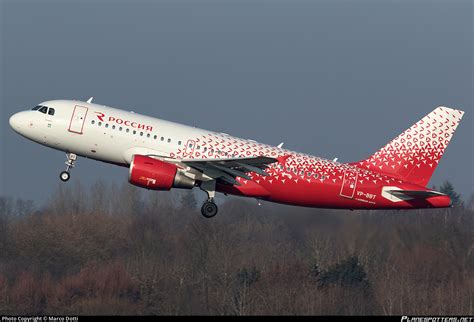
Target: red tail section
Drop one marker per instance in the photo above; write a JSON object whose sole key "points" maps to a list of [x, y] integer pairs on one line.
{"points": [[413, 155]]}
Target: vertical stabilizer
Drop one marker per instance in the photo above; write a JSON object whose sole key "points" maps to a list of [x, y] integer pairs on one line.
{"points": [[414, 155]]}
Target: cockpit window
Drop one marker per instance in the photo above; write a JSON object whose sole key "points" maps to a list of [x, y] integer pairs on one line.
{"points": [[36, 108], [51, 111], [43, 109]]}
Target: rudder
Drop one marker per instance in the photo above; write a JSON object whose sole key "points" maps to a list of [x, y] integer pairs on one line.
{"points": [[414, 155]]}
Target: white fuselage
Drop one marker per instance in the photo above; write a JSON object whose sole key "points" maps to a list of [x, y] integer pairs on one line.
{"points": [[113, 135]]}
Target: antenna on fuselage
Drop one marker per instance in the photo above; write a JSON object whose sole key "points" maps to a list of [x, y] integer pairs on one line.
{"points": [[90, 99], [280, 145]]}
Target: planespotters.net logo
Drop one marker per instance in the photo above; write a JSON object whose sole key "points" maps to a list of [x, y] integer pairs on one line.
{"points": [[437, 319]]}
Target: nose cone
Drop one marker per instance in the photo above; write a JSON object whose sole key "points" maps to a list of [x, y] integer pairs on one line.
{"points": [[15, 121], [19, 121]]}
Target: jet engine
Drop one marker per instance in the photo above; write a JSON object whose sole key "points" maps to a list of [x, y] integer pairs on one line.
{"points": [[155, 174]]}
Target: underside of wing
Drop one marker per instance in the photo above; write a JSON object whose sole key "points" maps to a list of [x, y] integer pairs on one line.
{"points": [[226, 170]]}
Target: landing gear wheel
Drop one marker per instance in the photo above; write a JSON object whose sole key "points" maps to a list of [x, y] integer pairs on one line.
{"points": [[64, 176], [71, 161], [209, 209]]}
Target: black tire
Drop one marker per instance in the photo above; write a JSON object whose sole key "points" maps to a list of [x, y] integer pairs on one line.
{"points": [[209, 209], [64, 176]]}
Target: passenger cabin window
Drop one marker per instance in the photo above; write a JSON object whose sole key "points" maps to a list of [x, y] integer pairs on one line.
{"points": [[51, 111]]}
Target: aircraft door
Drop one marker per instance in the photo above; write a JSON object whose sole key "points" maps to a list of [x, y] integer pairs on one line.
{"points": [[78, 118], [349, 183]]}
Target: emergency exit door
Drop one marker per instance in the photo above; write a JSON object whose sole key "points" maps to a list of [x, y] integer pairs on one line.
{"points": [[78, 118], [189, 148], [349, 183]]}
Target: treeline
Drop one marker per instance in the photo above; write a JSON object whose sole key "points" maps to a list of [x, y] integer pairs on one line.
{"points": [[121, 250]]}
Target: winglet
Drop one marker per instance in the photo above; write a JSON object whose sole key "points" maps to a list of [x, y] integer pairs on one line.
{"points": [[90, 99]]}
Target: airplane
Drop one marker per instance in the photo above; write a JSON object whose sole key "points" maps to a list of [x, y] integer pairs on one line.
{"points": [[161, 155]]}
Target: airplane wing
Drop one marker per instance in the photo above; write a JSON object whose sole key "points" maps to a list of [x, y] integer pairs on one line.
{"points": [[228, 169], [418, 194]]}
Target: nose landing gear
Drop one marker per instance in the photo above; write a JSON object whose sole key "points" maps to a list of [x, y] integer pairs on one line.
{"points": [[64, 176], [71, 161]]}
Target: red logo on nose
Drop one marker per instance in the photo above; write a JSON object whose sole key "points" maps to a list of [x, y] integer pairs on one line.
{"points": [[100, 116]]}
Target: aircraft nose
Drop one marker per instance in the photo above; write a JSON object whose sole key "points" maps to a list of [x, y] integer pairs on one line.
{"points": [[17, 121], [14, 121]]}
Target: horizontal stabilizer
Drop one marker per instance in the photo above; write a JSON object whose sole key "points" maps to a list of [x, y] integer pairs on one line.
{"points": [[418, 194]]}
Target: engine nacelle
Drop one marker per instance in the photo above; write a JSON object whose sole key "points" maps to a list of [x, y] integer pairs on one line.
{"points": [[155, 174]]}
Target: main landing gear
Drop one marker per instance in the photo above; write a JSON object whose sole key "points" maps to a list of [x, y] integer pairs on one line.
{"points": [[71, 161], [209, 208]]}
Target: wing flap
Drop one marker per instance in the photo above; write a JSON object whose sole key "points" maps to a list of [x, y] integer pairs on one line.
{"points": [[228, 170]]}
